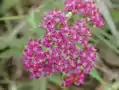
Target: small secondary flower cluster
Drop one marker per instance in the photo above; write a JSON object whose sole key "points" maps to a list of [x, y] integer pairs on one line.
{"points": [[64, 49]]}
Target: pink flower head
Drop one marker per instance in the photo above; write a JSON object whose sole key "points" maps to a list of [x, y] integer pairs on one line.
{"points": [[53, 19], [87, 58], [80, 33], [33, 57], [86, 8], [64, 49], [77, 79]]}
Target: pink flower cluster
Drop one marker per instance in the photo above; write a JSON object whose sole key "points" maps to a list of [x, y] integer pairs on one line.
{"points": [[64, 49], [86, 8]]}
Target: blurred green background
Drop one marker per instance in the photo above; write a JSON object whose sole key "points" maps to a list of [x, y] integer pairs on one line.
{"points": [[19, 22]]}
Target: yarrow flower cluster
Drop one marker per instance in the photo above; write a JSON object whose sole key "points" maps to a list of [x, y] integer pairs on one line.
{"points": [[64, 48]]}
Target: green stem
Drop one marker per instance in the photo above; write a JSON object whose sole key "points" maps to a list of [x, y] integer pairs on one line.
{"points": [[65, 88], [8, 23], [11, 18], [43, 84]]}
